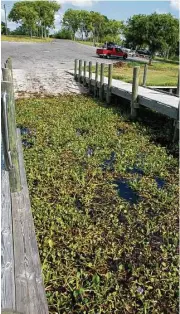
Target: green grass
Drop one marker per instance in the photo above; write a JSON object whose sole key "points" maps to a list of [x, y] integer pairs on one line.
{"points": [[89, 43], [25, 39], [99, 252], [159, 73]]}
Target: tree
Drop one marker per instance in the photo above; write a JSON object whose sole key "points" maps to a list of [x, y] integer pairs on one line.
{"points": [[157, 31], [112, 30], [45, 11], [84, 23], [33, 15], [71, 21], [3, 29], [97, 25], [24, 14]]}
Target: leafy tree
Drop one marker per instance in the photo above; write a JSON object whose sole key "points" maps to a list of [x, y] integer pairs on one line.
{"points": [[34, 15], [71, 21], [46, 11], [21, 30], [157, 31], [97, 25], [24, 14], [84, 23], [63, 34], [3, 29]]}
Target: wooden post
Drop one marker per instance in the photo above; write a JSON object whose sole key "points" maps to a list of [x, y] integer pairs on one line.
{"points": [[135, 84], [90, 75], [108, 94], [101, 90], [145, 74], [75, 68], [9, 134], [177, 92], [7, 75], [176, 126], [9, 63], [84, 75], [80, 71], [96, 79]]}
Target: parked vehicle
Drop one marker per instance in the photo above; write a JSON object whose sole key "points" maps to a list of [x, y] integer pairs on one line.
{"points": [[116, 52], [144, 52]]}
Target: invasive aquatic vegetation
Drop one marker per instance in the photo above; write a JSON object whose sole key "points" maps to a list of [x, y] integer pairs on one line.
{"points": [[107, 228]]}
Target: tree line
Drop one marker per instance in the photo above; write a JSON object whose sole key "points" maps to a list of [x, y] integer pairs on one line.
{"points": [[157, 32], [35, 17]]}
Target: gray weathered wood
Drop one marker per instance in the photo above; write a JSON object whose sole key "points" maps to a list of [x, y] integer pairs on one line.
{"points": [[75, 68], [108, 93], [177, 91], [80, 70], [101, 90], [176, 126], [30, 293], [7, 87], [84, 73], [135, 84], [7, 75], [165, 104], [7, 255], [9, 66], [90, 75], [96, 79], [145, 74]]}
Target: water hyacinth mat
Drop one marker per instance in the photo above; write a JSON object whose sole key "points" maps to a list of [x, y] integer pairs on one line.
{"points": [[104, 199]]}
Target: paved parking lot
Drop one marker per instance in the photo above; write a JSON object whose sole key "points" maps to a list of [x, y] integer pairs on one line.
{"points": [[41, 67]]}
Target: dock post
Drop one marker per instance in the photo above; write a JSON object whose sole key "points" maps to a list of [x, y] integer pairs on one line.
{"points": [[177, 92], [9, 135], [90, 75], [108, 94], [80, 71], [176, 126], [101, 89], [7, 75], [145, 74], [84, 74], [135, 84], [75, 68], [96, 79]]}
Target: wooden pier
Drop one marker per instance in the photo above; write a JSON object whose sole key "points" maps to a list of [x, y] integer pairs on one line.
{"points": [[22, 288], [164, 103]]}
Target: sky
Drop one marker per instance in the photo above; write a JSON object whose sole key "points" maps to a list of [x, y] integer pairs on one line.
{"points": [[118, 10]]}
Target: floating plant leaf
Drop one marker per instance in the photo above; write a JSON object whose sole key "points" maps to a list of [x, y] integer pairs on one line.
{"points": [[109, 163]]}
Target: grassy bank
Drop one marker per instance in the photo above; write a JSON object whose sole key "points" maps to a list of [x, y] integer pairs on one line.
{"points": [[89, 43], [104, 198], [25, 39], [159, 73]]}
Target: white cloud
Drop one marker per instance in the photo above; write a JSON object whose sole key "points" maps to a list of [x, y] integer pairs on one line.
{"points": [[79, 3], [174, 4], [158, 11]]}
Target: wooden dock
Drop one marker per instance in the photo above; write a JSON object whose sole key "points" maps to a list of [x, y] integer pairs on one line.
{"points": [[22, 288], [155, 100]]}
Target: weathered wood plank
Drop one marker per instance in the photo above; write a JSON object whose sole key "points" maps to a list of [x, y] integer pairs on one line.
{"points": [[9, 102], [30, 293], [7, 256]]}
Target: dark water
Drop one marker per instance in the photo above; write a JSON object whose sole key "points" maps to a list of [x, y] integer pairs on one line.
{"points": [[109, 163], [160, 182], [126, 192], [81, 132], [89, 152], [135, 170], [27, 144], [120, 131]]}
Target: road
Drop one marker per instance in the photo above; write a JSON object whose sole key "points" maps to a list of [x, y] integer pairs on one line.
{"points": [[41, 67]]}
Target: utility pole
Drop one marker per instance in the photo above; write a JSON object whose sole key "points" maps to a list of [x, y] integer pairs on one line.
{"points": [[5, 19]]}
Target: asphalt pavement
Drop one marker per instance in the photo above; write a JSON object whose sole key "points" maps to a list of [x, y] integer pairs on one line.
{"points": [[41, 67]]}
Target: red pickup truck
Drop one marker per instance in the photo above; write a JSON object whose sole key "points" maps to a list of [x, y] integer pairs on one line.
{"points": [[111, 52]]}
